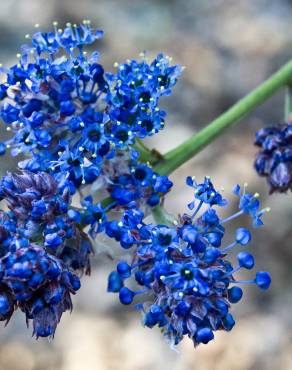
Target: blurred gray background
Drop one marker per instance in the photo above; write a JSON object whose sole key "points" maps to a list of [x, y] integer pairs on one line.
{"points": [[228, 47]]}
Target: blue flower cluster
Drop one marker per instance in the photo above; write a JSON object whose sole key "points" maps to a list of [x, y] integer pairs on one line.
{"points": [[183, 269], [42, 252], [80, 130], [70, 115], [141, 185], [274, 160], [134, 96], [76, 124]]}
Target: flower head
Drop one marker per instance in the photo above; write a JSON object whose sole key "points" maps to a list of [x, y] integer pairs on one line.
{"points": [[39, 284], [274, 160], [68, 114], [185, 272]]}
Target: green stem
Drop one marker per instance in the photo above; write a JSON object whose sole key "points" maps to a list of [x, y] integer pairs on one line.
{"points": [[107, 201], [288, 104], [182, 153], [162, 217], [146, 154]]}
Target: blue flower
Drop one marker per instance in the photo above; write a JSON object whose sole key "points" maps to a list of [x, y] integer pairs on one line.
{"points": [[205, 192], [184, 270], [274, 160], [249, 204], [134, 95], [141, 185], [94, 215], [71, 116], [76, 125], [39, 284]]}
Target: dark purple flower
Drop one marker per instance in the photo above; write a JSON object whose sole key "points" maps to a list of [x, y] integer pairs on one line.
{"points": [[274, 160]]}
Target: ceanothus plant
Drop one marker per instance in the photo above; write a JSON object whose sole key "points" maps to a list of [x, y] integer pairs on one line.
{"points": [[80, 130]]}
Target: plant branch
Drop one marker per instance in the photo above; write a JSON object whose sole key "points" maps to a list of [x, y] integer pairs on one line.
{"points": [[146, 154], [288, 104], [185, 151]]}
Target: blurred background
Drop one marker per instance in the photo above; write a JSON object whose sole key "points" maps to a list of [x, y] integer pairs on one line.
{"points": [[228, 47]]}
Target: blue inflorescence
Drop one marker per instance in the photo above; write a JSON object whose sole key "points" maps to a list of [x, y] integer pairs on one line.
{"points": [[80, 130], [43, 251], [76, 125], [274, 160], [72, 116], [183, 269]]}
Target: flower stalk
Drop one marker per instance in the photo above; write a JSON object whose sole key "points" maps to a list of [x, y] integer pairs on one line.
{"points": [[185, 151], [288, 104], [146, 154]]}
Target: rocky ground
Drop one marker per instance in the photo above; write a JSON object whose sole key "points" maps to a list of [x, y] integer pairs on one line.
{"points": [[228, 47]]}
